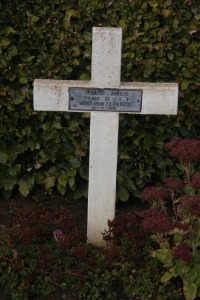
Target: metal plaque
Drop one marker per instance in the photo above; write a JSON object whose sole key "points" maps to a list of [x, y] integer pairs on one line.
{"points": [[94, 99]]}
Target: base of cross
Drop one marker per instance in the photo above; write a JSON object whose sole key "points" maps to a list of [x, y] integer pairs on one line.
{"points": [[104, 97]]}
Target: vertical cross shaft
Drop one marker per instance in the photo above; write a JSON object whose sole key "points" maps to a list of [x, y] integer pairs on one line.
{"points": [[106, 67]]}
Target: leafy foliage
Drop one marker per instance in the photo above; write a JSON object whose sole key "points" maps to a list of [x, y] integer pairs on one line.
{"points": [[178, 234], [52, 39], [43, 255]]}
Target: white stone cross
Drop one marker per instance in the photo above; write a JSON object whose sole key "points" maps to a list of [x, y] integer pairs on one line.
{"points": [[54, 95]]}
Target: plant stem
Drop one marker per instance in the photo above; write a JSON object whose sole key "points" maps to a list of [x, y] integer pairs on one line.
{"points": [[173, 203]]}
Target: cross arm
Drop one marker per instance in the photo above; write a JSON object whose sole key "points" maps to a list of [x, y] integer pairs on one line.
{"points": [[52, 95], [157, 98]]}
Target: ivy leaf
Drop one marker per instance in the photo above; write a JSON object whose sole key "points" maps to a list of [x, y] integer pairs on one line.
{"points": [[9, 184], [146, 26], [8, 30], [184, 85], [85, 76], [62, 179], [29, 58], [72, 182], [123, 194], [23, 80], [167, 13], [13, 170], [49, 182], [81, 191], [3, 157], [25, 186], [75, 162], [197, 17], [170, 55], [175, 23], [61, 188], [4, 42]]}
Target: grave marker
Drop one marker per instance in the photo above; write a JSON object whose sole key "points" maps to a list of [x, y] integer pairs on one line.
{"points": [[104, 96]]}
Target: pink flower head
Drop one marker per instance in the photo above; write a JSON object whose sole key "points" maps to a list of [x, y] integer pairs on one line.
{"points": [[182, 251], [154, 193], [195, 211], [58, 235], [186, 149], [172, 143], [173, 184], [187, 202], [190, 204], [196, 181], [155, 220]]}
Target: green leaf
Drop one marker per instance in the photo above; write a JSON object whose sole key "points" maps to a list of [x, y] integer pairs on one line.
{"points": [[167, 13], [72, 182], [177, 238], [13, 170], [184, 85], [160, 145], [61, 189], [123, 194], [29, 58], [3, 157], [124, 155], [9, 184], [34, 18], [189, 191], [49, 182], [197, 16], [190, 291], [180, 167], [130, 132], [167, 276], [57, 125], [193, 274], [146, 26], [62, 179], [71, 172], [23, 80], [197, 268], [4, 42], [170, 55], [178, 268], [163, 254], [81, 191], [85, 76], [175, 23], [134, 122], [25, 186], [122, 24], [75, 162], [8, 30]]}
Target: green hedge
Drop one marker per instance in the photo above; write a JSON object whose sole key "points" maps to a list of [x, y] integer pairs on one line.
{"points": [[52, 39]]}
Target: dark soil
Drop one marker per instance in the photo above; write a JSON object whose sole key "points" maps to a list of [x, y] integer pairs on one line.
{"points": [[74, 208]]}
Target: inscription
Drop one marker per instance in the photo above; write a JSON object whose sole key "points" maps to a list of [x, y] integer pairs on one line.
{"points": [[91, 99]]}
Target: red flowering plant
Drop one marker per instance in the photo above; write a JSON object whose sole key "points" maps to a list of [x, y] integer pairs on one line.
{"points": [[187, 150], [155, 196], [176, 227]]}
